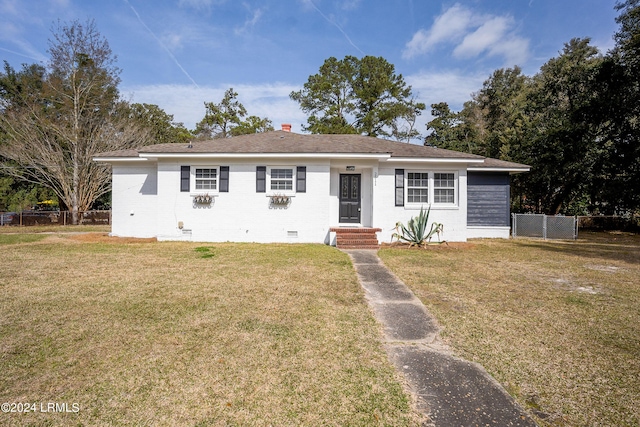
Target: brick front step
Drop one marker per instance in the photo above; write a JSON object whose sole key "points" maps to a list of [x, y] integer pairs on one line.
{"points": [[358, 246], [356, 238], [342, 230], [352, 242], [351, 236]]}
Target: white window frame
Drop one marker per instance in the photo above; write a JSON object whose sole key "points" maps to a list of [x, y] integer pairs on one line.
{"points": [[454, 188], [428, 187], [293, 180], [194, 179], [431, 190]]}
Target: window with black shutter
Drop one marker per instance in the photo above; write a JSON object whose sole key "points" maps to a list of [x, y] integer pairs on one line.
{"points": [[224, 179], [261, 179], [185, 177], [301, 179], [399, 187]]}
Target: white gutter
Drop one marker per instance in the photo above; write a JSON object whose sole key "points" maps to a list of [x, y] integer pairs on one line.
{"points": [[119, 159], [511, 170], [263, 155], [433, 160]]}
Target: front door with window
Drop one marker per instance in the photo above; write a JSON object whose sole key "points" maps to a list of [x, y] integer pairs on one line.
{"points": [[350, 200]]}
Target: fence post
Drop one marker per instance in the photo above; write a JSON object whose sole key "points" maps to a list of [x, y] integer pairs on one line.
{"points": [[544, 226], [514, 233]]}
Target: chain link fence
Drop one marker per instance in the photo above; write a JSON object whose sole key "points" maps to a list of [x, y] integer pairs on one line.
{"points": [[30, 218], [544, 226]]}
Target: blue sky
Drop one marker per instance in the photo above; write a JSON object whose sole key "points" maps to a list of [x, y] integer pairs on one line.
{"points": [[180, 53]]}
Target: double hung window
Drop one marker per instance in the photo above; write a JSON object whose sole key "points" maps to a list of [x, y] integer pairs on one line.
{"points": [[418, 187], [206, 179], [425, 188], [281, 179], [444, 188]]}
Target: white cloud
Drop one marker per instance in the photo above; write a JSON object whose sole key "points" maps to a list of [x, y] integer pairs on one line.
{"points": [[15, 17], [452, 87], [450, 26], [256, 14], [186, 103], [604, 44], [172, 41], [472, 35], [60, 3], [487, 35], [9, 7], [348, 4], [515, 51], [199, 4]]}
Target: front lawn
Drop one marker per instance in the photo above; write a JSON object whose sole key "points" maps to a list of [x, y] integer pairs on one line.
{"points": [[557, 323], [148, 333]]}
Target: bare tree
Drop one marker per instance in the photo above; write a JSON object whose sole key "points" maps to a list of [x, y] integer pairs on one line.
{"points": [[50, 137]]}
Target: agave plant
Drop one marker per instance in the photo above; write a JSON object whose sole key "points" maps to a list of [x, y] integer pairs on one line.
{"points": [[415, 232]]}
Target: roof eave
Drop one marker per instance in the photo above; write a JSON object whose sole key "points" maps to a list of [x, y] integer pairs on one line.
{"points": [[377, 156], [119, 159], [511, 171], [433, 160]]}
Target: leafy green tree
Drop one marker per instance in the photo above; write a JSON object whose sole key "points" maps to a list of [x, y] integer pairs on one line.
{"points": [[359, 96], [225, 119], [620, 109], [567, 142], [450, 130], [576, 122], [161, 125], [253, 124], [220, 119], [54, 120], [17, 196], [628, 36], [501, 102]]}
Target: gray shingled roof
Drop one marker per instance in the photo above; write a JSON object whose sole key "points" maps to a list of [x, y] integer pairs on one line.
{"points": [[289, 142], [490, 163], [276, 142]]}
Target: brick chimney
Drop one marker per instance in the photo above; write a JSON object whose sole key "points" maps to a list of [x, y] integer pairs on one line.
{"points": [[286, 127]]}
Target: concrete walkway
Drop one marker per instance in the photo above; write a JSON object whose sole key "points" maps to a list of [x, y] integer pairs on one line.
{"points": [[450, 391]]}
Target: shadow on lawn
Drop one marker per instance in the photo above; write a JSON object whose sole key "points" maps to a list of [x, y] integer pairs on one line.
{"points": [[614, 246]]}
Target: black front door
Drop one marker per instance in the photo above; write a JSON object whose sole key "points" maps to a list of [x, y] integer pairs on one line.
{"points": [[350, 201]]}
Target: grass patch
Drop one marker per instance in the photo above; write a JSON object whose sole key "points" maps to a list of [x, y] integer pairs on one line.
{"points": [[205, 252], [147, 333], [15, 229], [12, 239], [555, 322]]}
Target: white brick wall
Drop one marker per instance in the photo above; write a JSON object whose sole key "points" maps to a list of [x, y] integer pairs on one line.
{"points": [[242, 215], [386, 214], [134, 190], [147, 202]]}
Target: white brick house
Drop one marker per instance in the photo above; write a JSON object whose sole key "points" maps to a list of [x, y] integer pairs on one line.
{"points": [[285, 187]]}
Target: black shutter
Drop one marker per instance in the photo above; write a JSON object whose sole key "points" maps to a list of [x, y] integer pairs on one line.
{"points": [[224, 179], [301, 179], [261, 179], [399, 187], [185, 177]]}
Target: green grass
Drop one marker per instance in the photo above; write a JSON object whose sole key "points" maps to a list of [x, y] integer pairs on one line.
{"points": [[184, 334], [15, 229], [557, 323], [12, 239]]}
